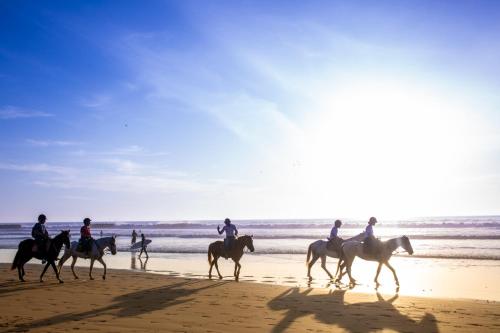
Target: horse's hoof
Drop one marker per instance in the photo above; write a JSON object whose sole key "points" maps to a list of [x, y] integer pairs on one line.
{"points": [[22, 280], [91, 278], [104, 277], [61, 281], [220, 277], [41, 281], [76, 277]]}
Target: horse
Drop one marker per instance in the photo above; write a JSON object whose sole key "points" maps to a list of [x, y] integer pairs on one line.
{"points": [[318, 249], [352, 249], [25, 253], [216, 250], [97, 252]]}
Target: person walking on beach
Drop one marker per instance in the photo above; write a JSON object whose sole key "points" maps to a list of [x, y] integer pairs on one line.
{"points": [[334, 241], [231, 233], [41, 235], [370, 244], [134, 237], [143, 246], [86, 237]]}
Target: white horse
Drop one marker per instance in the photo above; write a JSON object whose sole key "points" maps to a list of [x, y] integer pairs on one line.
{"points": [[318, 249], [352, 249], [96, 253]]}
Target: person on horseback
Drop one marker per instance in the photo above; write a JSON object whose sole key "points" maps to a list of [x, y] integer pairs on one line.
{"points": [[41, 235], [371, 244], [231, 233], [334, 241], [86, 237]]}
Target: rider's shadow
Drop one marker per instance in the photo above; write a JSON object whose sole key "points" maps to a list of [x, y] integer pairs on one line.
{"points": [[354, 317], [129, 305]]}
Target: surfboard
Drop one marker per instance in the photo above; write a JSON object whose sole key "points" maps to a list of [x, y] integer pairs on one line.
{"points": [[138, 245]]}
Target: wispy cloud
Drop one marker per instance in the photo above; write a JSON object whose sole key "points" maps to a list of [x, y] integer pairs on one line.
{"points": [[132, 150], [12, 112], [120, 175], [37, 168], [50, 143]]}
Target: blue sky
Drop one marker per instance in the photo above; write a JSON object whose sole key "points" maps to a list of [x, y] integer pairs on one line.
{"points": [[197, 110]]}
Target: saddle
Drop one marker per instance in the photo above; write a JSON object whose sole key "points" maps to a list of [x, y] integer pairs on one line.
{"points": [[36, 247], [84, 245], [334, 244], [372, 246]]}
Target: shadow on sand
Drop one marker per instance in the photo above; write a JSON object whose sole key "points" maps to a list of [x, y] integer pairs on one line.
{"points": [[130, 305], [361, 317]]}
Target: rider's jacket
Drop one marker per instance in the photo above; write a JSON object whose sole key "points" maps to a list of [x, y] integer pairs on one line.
{"points": [[230, 230], [39, 231], [334, 232], [85, 232]]}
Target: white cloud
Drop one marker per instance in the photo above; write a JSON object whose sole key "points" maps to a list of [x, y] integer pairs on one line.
{"points": [[12, 112], [132, 150], [37, 168], [50, 143]]}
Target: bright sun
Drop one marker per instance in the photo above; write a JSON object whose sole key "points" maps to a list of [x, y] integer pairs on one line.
{"points": [[379, 147]]}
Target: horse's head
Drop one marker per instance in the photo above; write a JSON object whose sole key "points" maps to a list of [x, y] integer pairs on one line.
{"points": [[405, 244], [112, 245], [65, 238], [248, 242]]}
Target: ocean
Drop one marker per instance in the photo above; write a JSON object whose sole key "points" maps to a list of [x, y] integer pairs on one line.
{"points": [[465, 237]]}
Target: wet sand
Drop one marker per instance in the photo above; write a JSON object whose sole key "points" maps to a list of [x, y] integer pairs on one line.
{"points": [[436, 278], [131, 301]]}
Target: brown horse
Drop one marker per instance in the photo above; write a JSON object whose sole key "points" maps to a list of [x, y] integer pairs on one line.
{"points": [[216, 250]]}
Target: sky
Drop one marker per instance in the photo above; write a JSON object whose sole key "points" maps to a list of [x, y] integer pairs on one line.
{"points": [[184, 110]]}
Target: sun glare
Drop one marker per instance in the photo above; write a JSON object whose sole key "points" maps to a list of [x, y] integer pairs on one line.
{"points": [[375, 145]]}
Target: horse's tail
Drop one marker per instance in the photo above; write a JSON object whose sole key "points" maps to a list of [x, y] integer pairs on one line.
{"points": [[309, 252], [15, 263]]}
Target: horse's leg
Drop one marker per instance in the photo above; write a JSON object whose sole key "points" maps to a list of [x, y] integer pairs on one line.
{"points": [[53, 264], [62, 261], [378, 272], [348, 268], [340, 270], [236, 270], [73, 266], [217, 267], [20, 270], [91, 266], [323, 265], [44, 270], [103, 265], [310, 265], [211, 266], [393, 272]]}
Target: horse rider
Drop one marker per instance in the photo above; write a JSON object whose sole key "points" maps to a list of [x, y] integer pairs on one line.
{"points": [[231, 233], [134, 236], [334, 241], [370, 244], [143, 246], [86, 237], [41, 235]]}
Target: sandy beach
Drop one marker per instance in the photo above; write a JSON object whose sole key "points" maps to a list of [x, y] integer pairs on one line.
{"points": [[131, 301]]}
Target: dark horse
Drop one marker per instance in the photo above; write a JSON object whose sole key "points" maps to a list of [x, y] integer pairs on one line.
{"points": [[25, 253], [216, 250]]}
